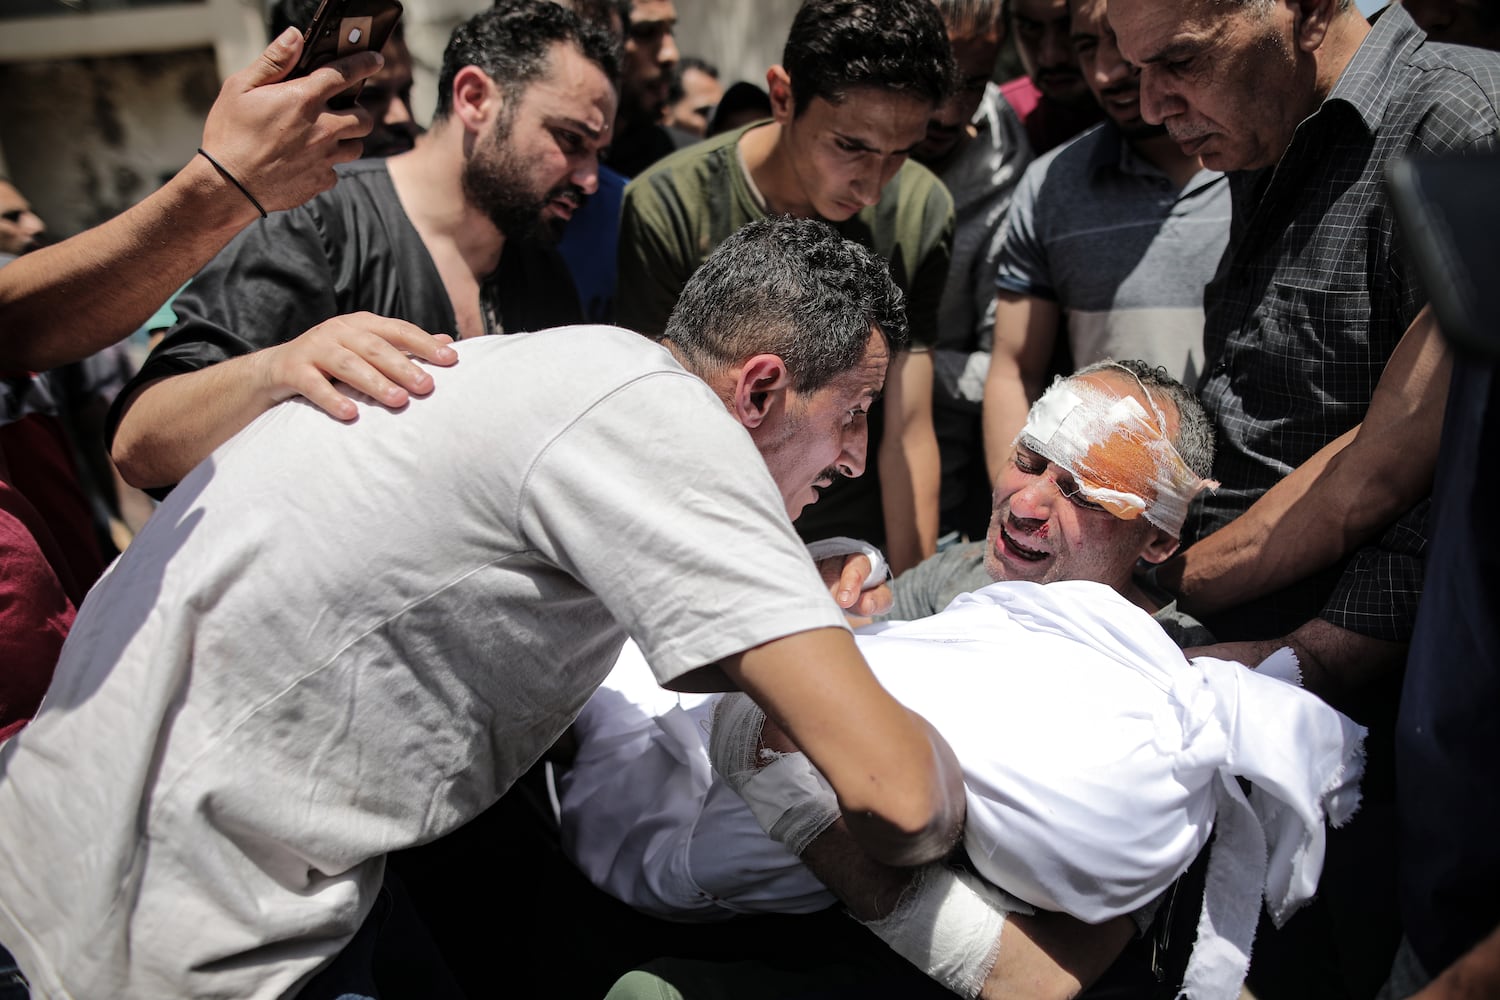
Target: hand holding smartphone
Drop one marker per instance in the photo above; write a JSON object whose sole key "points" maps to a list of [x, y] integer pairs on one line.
{"points": [[341, 28]]}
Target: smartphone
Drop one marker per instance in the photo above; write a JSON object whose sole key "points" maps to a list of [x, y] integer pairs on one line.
{"points": [[343, 27]]}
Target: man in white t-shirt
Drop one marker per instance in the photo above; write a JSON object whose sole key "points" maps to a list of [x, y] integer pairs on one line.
{"points": [[1099, 482], [333, 641]]}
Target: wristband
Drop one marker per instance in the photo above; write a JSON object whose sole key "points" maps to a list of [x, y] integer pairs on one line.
{"points": [[947, 923], [233, 180]]}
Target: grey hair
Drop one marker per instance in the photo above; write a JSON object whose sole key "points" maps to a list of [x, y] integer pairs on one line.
{"points": [[793, 288], [1194, 440]]}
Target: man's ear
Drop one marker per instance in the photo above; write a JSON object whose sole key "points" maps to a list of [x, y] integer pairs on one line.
{"points": [[759, 390], [1312, 19], [477, 101], [779, 86], [1159, 546]]}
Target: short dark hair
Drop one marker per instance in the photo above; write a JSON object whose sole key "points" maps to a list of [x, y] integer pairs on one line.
{"points": [[675, 92], [1195, 431], [512, 42], [600, 11], [793, 288], [838, 45]]}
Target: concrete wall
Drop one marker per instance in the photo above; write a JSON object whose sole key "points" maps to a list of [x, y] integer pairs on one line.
{"points": [[85, 138], [742, 37], [96, 109]]}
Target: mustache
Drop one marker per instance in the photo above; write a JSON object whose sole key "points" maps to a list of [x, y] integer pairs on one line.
{"points": [[1187, 131], [571, 193], [832, 474]]}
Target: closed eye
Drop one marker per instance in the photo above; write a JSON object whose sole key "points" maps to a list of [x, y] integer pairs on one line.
{"points": [[1032, 465], [1074, 495]]}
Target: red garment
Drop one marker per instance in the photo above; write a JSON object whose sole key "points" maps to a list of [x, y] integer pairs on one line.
{"points": [[49, 558], [1048, 123]]}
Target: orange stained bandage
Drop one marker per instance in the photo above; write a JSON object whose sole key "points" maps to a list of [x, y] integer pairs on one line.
{"points": [[1118, 452]]}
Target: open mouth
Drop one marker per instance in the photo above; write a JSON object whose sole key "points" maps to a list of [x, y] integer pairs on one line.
{"points": [[564, 205], [1020, 551]]}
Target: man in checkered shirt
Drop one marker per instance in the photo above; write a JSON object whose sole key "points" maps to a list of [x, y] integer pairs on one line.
{"points": [[1304, 104]]}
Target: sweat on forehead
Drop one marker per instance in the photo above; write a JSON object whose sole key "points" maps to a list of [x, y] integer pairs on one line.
{"points": [[1117, 449]]}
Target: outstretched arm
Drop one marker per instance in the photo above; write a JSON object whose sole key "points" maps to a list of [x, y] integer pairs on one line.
{"points": [[1025, 332], [1336, 501], [909, 467], [1335, 662], [172, 424], [277, 137]]}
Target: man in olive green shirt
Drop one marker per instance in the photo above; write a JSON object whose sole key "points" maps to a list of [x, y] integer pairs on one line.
{"points": [[850, 100]]}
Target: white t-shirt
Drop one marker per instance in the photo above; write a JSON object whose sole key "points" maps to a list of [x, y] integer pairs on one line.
{"points": [[334, 640]]}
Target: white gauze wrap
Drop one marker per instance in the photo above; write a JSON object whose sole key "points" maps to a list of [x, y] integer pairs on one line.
{"points": [[791, 800], [948, 923], [1119, 454]]}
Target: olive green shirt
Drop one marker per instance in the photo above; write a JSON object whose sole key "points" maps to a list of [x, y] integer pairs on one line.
{"points": [[678, 211]]}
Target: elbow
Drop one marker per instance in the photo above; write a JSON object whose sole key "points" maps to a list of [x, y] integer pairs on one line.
{"points": [[132, 468], [920, 825], [929, 837], [133, 457], [135, 449]]}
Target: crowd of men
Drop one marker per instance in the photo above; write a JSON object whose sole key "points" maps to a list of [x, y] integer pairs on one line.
{"points": [[486, 456]]}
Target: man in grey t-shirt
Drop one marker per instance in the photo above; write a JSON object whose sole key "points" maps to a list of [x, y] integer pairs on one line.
{"points": [[1109, 241]]}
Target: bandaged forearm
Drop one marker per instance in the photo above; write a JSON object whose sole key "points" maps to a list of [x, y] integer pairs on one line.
{"points": [[948, 924], [790, 799]]}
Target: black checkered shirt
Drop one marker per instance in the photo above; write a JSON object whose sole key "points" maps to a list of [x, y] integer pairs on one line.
{"points": [[1316, 290]]}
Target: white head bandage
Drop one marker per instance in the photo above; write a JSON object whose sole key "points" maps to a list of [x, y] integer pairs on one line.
{"points": [[1119, 455]]}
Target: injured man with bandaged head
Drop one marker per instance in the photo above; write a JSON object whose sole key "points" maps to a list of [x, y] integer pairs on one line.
{"points": [[1098, 760]]}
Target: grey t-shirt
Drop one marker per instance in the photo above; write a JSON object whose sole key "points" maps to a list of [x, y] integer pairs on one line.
{"points": [[1102, 232]]}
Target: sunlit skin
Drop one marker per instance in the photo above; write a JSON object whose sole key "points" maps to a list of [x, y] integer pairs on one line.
{"points": [[650, 56], [1043, 530], [815, 437], [832, 160], [951, 125], [1041, 30], [20, 227], [1231, 82]]}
